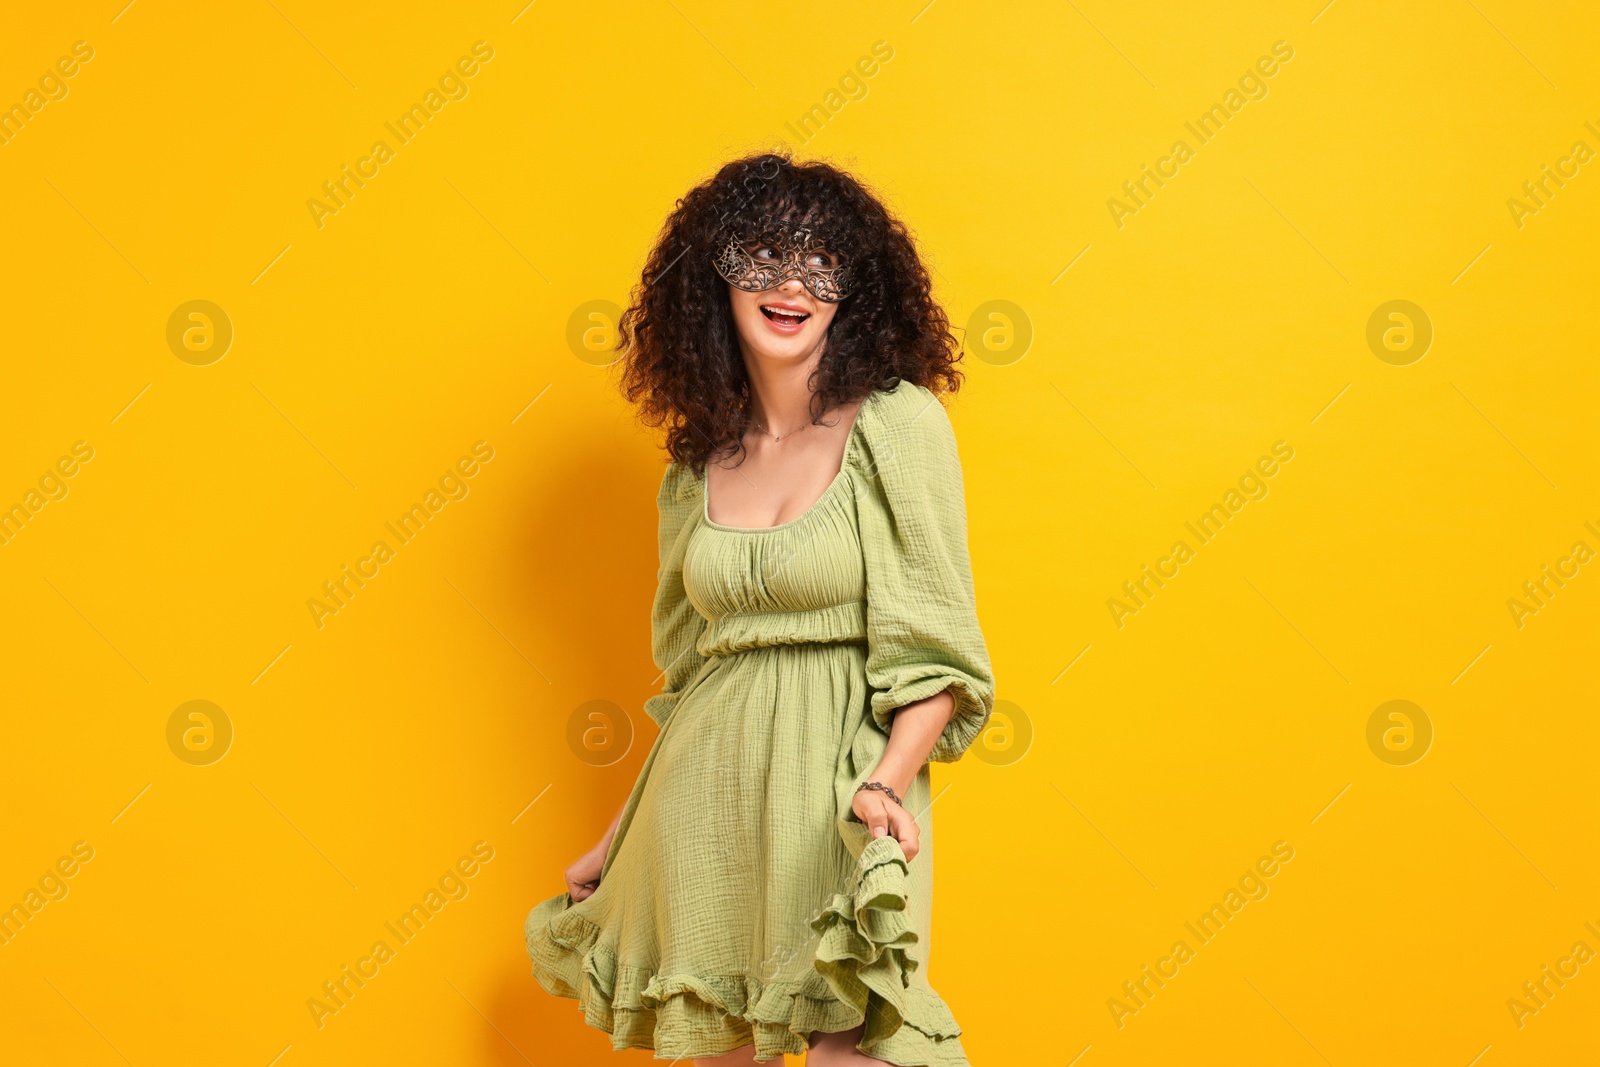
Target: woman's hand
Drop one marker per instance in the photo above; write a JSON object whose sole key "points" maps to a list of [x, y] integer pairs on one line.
{"points": [[883, 816], [583, 877], [912, 732]]}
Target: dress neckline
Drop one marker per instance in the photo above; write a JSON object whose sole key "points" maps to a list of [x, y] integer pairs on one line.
{"points": [[844, 463]]}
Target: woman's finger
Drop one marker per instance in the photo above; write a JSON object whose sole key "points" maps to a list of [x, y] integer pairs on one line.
{"points": [[878, 817], [905, 831]]}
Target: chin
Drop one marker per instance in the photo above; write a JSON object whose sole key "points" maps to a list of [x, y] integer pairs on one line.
{"points": [[788, 348], [758, 338]]}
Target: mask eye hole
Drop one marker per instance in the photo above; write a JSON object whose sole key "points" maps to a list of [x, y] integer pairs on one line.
{"points": [[822, 260]]}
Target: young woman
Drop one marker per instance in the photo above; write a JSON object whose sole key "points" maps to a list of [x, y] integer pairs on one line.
{"points": [[766, 887]]}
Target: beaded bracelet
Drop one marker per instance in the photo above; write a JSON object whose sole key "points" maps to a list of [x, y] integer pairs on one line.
{"points": [[880, 787]]}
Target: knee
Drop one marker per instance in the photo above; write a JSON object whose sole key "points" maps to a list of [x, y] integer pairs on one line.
{"points": [[837, 1049]]}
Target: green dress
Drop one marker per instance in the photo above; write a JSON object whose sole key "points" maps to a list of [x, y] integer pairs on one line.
{"points": [[741, 901]]}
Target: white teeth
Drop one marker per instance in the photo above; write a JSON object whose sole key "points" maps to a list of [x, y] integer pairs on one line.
{"points": [[786, 312]]}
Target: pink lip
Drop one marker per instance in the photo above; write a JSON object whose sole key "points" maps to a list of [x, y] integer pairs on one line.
{"points": [[782, 327], [785, 328]]}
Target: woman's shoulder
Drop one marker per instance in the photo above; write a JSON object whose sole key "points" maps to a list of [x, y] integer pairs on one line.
{"points": [[905, 414], [678, 484]]}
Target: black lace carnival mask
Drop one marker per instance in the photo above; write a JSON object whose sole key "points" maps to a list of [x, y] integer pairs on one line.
{"points": [[767, 252]]}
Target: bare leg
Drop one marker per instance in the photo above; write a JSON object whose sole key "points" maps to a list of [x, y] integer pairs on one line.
{"points": [[739, 1057], [838, 1049]]}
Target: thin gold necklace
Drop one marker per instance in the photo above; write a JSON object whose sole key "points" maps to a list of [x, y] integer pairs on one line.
{"points": [[776, 437]]}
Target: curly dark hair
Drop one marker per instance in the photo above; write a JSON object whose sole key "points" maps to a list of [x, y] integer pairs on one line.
{"points": [[681, 362]]}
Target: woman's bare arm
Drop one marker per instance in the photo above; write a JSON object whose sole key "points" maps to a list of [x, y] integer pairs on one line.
{"points": [[912, 735]]}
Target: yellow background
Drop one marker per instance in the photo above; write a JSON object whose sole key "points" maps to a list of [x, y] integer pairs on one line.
{"points": [[1226, 315]]}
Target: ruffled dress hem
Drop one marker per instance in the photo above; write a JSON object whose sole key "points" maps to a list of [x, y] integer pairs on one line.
{"points": [[862, 970]]}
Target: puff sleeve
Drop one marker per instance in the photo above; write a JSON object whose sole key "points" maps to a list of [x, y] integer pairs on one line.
{"points": [[922, 624], [675, 625]]}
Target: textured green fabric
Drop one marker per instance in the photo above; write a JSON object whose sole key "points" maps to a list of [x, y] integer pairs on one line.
{"points": [[741, 901]]}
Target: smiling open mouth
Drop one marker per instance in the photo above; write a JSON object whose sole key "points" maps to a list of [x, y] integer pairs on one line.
{"points": [[784, 315]]}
